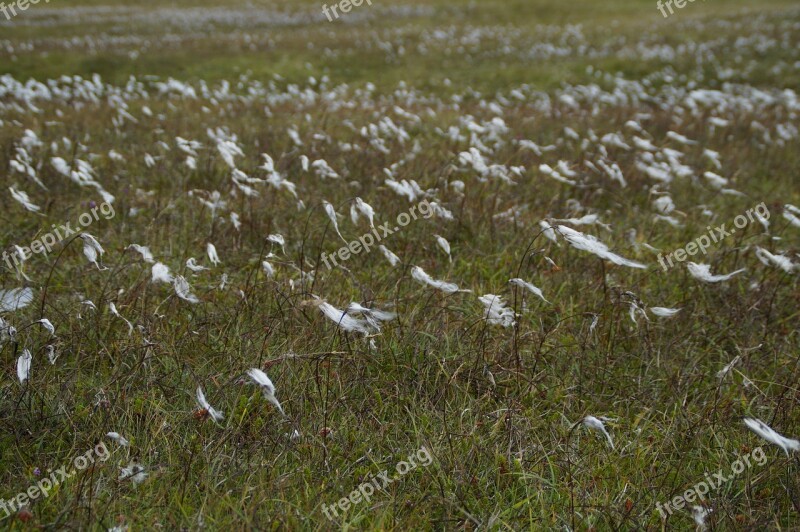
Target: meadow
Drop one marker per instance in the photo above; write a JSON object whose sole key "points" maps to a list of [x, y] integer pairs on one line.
{"points": [[176, 340]]}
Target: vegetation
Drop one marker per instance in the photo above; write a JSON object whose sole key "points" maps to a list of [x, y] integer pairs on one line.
{"points": [[397, 92]]}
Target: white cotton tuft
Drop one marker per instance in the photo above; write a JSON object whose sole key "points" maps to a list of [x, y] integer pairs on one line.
{"points": [[323, 170], [116, 313], [677, 137], [331, 212], [420, 276], [715, 180], [762, 220], [440, 211], [548, 231], [15, 298], [409, 189], [134, 472], [22, 197], [791, 214], [393, 259], [664, 205], [496, 312], [588, 219], [183, 290], [699, 514], [614, 172], [702, 272], [117, 437], [295, 136], [92, 249], [277, 238], [593, 325], [360, 207], [781, 261], [529, 287], [374, 317], [144, 251], [664, 312], [211, 251], [237, 224], [766, 432], [445, 245], [595, 424], [267, 388], [591, 244], [727, 369], [268, 268], [548, 171], [216, 415], [160, 273], [191, 263], [47, 325], [343, 320], [51, 354], [634, 308], [24, 365]]}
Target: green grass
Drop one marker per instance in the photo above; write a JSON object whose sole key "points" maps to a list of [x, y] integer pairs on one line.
{"points": [[497, 407], [222, 55]]}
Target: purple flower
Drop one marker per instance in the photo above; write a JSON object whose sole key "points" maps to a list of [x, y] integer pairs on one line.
{"points": [[37, 472], [92, 204]]}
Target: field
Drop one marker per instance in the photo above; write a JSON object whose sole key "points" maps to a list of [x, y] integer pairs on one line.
{"points": [[508, 265]]}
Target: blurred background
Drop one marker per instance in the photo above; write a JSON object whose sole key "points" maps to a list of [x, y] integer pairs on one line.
{"points": [[485, 44]]}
